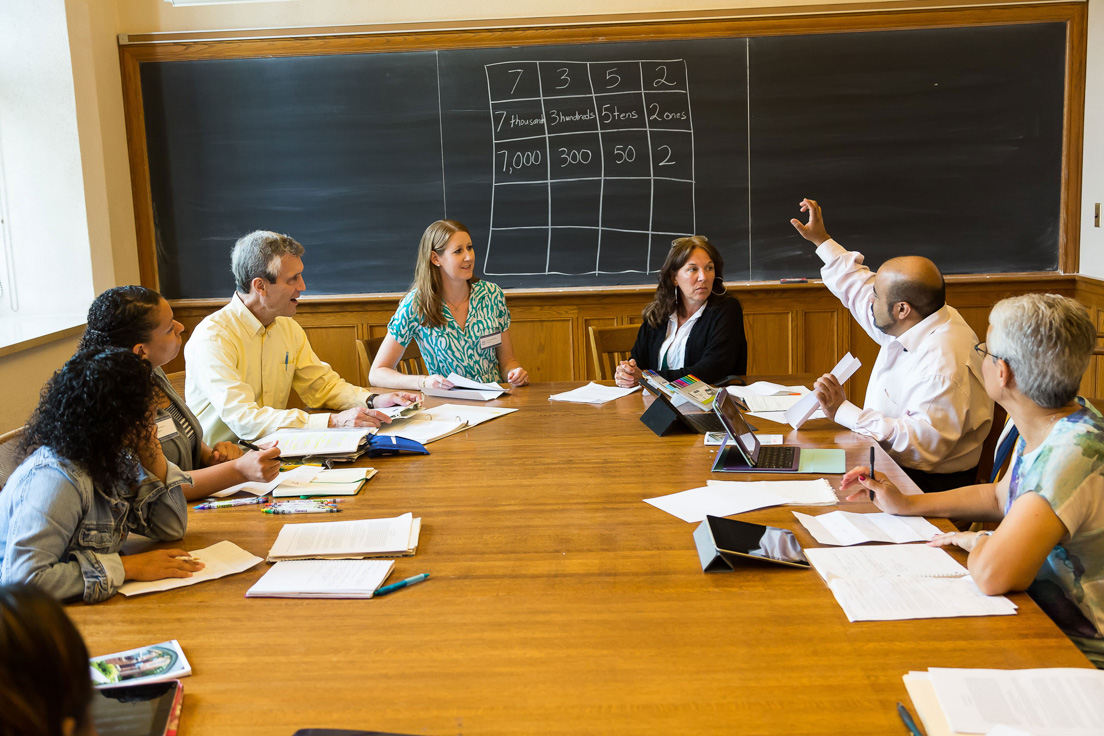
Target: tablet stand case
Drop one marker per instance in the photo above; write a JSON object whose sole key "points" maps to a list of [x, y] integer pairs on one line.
{"points": [[663, 420], [712, 559]]}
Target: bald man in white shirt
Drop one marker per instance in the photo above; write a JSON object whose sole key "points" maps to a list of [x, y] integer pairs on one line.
{"points": [[925, 402]]}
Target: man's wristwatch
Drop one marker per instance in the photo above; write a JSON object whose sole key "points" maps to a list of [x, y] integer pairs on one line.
{"points": [[370, 402]]}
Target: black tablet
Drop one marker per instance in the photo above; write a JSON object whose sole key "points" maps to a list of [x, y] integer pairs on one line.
{"points": [[769, 543], [138, 710]]}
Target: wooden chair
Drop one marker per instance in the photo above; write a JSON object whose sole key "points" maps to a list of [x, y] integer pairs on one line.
{"points": [[10, 457], [609, 346], [176, 380], [410, 363]]}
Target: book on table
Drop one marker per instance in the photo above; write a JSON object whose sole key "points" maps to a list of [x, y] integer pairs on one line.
{"points": [[322, 579], [339, 540]]}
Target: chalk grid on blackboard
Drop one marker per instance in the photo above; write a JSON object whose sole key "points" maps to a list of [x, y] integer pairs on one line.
{"points": [[595, 159]]}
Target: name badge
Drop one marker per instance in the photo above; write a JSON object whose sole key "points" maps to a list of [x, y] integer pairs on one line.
{"points": [[166, 429], [490, 341]]}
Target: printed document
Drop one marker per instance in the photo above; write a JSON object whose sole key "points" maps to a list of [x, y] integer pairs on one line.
{"points": [[593, 393], [347, 539], [844, 528], [817, 492], [697, 503], [301, 474], [300, 442], [800, 412], [466, 389], [322, 579]]}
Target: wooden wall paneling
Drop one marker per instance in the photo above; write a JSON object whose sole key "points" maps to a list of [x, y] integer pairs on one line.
{"points": [[771, 340], [821, 339], [546, 348]]}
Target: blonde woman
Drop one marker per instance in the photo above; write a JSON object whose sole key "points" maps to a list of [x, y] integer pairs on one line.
{"points": [[461, 324]]}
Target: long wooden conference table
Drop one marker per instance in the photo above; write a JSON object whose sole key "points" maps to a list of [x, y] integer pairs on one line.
{"points": [[558, 602]]}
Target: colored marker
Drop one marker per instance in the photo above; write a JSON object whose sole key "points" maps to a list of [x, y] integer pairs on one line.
{"points": [[303, 510], [232, 502], [401, 584]]}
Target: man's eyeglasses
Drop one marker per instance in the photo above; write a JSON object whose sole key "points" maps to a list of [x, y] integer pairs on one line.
{"points": [[980, 350]]}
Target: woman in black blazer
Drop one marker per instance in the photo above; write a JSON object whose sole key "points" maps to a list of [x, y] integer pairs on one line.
{"points": [[691, 326]]}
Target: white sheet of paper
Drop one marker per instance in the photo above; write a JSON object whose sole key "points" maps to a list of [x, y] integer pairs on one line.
{"points": [[594, 393], [922, 695], [322, 579], [906, 598], [472, 415], [220, 560], [816, 492], [466, 389], [770, 403], [800, 412], [330, 475], [301, 474], [765, 388], [844, 528], [697, 503], [300, 442], [344, 538], [423, 428], [911, 560], [461, 382], [1044, 702]]}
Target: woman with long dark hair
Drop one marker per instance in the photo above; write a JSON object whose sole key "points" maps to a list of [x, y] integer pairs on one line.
{"points": [[45, 688], [95, 473], [140, 320], [691, 325], [461, 323]]}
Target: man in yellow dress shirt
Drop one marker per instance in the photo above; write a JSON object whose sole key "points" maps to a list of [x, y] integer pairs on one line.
{"points": [[244, 360]]}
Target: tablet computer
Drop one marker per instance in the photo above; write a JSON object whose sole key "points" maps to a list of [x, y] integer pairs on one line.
{"points": [[732, 539], [138, 710]]}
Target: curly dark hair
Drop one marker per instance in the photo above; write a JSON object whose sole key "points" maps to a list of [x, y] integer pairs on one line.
{"points": [[667, 298], [44, 675], [121, 317], [94, 412]]}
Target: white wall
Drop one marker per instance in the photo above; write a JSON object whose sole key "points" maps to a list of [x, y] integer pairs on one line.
{"points": [[1092, 181]]}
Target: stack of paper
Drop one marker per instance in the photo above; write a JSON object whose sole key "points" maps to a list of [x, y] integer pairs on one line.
{"points": [[593, 393], [442, 421], [326, 482], [300, 442], [902, 582], [844, 528], [697, 503], [336, 540], [1040, 702], [224, 558], [466, 389], [322, 579]]}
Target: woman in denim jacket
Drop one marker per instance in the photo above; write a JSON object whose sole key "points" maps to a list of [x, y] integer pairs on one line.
{"points": [[96, 472]]}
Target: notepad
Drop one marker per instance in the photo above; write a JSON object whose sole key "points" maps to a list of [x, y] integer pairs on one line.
{"points": [[322, 579], [334, 540], [327, 482], [301, 474], [844, 528], [220, 560], [900, 582]]}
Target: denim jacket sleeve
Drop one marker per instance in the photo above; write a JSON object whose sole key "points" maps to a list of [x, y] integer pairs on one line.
{"points": [[65, 538]]}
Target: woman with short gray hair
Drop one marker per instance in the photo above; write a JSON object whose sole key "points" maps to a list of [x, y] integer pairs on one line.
{"points": [[1050, 505]]}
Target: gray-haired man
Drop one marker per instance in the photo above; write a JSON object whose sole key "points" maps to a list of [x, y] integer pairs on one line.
{"points": [[244, 360]]}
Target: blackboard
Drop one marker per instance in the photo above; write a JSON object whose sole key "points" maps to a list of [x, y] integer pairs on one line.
{"points": [[576, 165]]}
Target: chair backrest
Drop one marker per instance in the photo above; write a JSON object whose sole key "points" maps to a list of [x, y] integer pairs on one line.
{"points": [[176, 380], [609, 346], [989, 447], [410, 364], [10, 457]]}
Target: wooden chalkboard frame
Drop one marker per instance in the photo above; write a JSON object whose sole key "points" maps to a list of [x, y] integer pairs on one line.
{"points": [[136, 50]]}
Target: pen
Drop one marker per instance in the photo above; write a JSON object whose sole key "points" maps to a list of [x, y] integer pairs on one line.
{"points": [[303, 510], [401, 584], [249, 445], [285, 361], [871, 470], [231, 502], [905, 716]]}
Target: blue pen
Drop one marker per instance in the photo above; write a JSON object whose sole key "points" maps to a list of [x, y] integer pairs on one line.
{"points": [[401, 584], [907, 718], [285, 361]]}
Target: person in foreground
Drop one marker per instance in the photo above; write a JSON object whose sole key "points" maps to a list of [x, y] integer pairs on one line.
{"points": [[95, 473], [1050, 505], [140, 320], [925, 402], [244, 360], [461, 323], [691, 326], [45, 688]]}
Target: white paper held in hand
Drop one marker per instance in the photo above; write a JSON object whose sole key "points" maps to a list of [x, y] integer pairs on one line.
{"points": [[800, 412]]}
